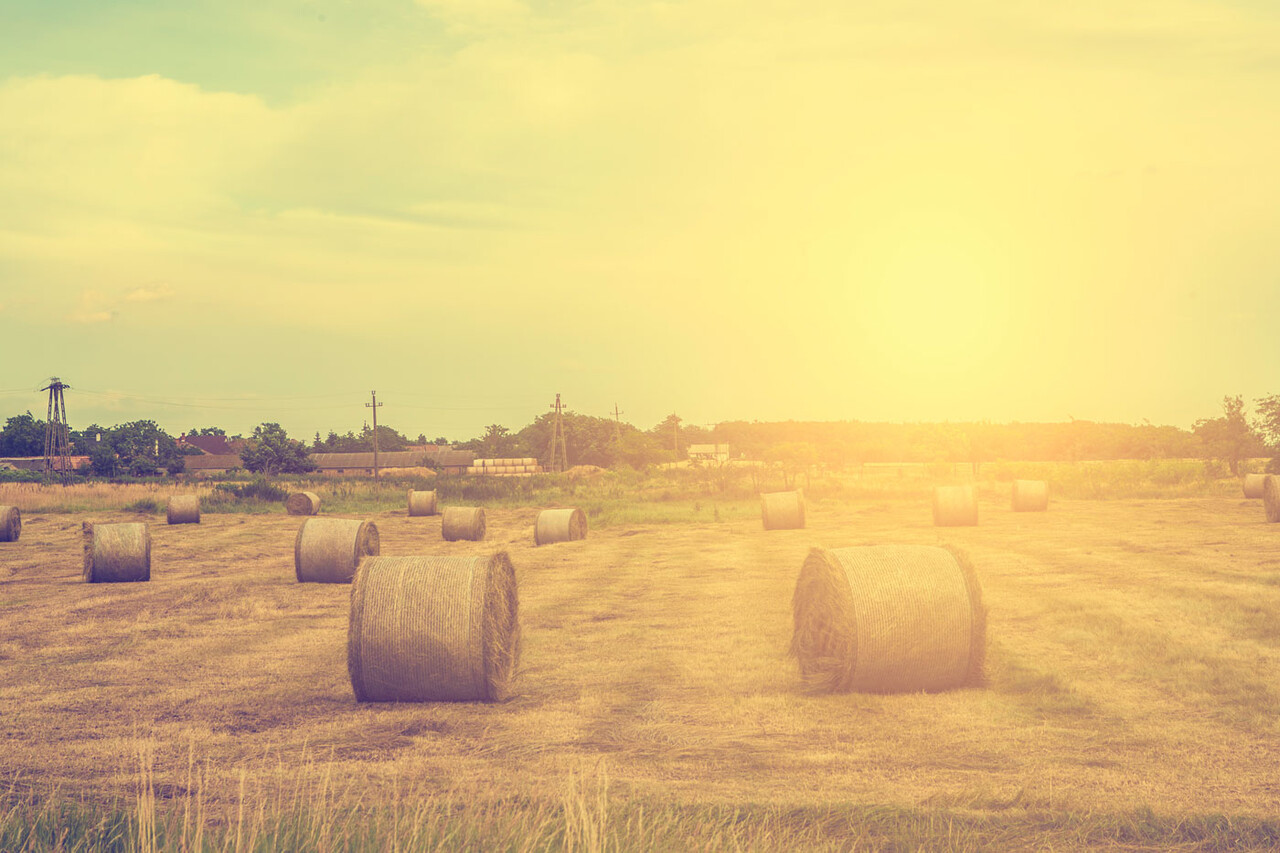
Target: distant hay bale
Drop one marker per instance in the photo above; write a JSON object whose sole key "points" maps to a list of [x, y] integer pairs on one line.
{"points": [[433, 629], [329, 550], [302, 503], [1030, 496], [462, 522], [1253, 485], [782, 510], [10, 524], [888, 619], [183, 509], [422, 503], [1271, 497], [115, 553], [559, 525], [954, 506]]}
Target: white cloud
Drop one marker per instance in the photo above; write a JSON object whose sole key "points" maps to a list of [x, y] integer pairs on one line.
{"points": [[92, 307], [148, 294]]}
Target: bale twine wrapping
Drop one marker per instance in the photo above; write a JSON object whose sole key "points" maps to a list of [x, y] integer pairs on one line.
{"points": [[462, 522], [888, 619], [433, 629], [1030, 496], [328, 550], [954, 506], [782, 510], [1253, 485], [183, 509], [302, 503], [1271, 497], [116, 553], [10, 524], [559, 525], [422, 503]]}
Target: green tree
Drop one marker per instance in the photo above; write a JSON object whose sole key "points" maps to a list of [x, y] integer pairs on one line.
{"points": [[271, 451], [23, 435], [1230, 438]]}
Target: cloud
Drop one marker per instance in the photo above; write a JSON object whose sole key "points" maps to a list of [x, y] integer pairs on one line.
{"points": [[92, 307], [148, 294]]}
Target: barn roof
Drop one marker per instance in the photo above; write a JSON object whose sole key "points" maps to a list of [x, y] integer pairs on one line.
{"points": [[389, 459], [212, 462], [454, 458]]}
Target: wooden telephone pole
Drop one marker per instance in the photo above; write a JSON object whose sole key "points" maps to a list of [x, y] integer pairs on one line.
{"points": [[617, 423], [375, 405], [559, 453], [57, 439]]}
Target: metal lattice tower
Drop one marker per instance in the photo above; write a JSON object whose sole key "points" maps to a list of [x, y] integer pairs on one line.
{"points": [[559, 453], [57, 436]]}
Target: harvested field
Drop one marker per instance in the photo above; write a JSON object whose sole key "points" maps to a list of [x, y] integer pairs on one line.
{"points": [[1133, 660]]}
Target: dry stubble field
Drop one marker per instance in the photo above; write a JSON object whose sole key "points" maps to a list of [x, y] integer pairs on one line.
{"points": [[1134, 663]]}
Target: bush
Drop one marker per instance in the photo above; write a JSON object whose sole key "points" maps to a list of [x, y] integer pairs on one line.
{"points": [[259, 489], [143, 505]]}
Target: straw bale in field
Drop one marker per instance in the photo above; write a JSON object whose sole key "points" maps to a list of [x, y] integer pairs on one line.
{"points": [[302, 503], [433, 629], [888, 619], [1030, 495], [462, 522], [10, 524], [116, 552], [1271, 497], [955, 506], [782, 510], [422, 503], [328, 550], [1253, 485], [183, 509], [560, 525]]}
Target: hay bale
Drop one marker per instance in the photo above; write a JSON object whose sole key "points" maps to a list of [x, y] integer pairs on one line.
{"points": [[10, 524], [115, 553], [955, 506], [422, 503], [1271, 497], [1253, 485], [302, 503], [1029, 496], [183, 509], [559, 525], [433, 629], [888, 619], [462, 522], [328, 550], [782, 510]]}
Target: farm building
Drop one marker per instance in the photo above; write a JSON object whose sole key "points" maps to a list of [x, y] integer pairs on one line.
{"points": [[204, 464], [211, 445], [362, 463], [453, 461], [717, 453]]}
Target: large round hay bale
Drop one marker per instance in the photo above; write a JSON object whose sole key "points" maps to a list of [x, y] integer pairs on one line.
{"points": [[422, 503], [888, 619], [433, 629], [954, 506], [1029, 496], [782, 510], [10, 524], [559, 525], [328, 550], [1253, 485], [183, 509], [462, 522], [1271, 497], [116, 553], [302, 503]]}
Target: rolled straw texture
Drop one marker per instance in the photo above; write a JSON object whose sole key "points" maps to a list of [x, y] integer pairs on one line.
{"points": [[10, 524], [1030, 495], [782, 510], [302, 503], [433, 629], [116, 553], [329, 550], [559, 525], [462, 522], [183, 509], [1253, 485], [422, 503], [1271, 497], [888, 619], [954, 506]]}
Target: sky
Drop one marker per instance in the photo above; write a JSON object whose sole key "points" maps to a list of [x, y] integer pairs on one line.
{"points": [[225, 212]]}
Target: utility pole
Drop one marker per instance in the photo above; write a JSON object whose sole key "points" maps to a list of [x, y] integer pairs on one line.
{"points": [[559, 452], [675, 435], [57, 441], [617, 423], [375, 405]]}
